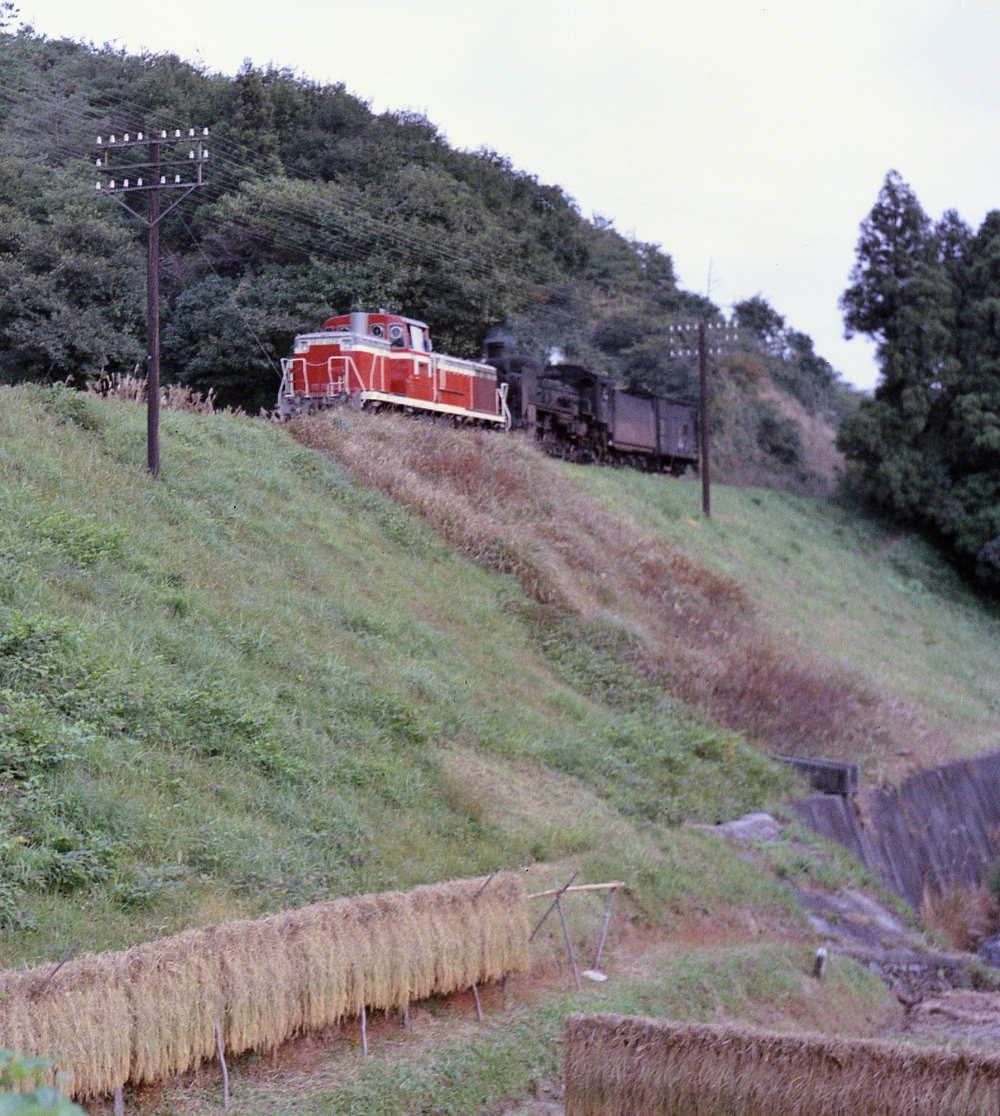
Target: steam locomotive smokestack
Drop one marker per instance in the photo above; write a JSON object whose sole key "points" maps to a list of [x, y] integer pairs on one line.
{"points": [[499, 343]]}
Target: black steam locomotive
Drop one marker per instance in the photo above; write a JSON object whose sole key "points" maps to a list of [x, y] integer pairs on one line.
{"points": [[582, 416]]}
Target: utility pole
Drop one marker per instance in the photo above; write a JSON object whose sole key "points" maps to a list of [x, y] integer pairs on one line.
{"points": [[706, 480], [714, 339], [117, 182]]}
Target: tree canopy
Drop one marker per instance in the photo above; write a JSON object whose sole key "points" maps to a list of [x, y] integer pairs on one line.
{"points": [[315, 205], [926, 447]]}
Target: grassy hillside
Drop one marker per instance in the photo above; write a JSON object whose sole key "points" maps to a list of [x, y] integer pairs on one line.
{"points": [[253, 683], [259, 681], [612, 558], [867, 596]]}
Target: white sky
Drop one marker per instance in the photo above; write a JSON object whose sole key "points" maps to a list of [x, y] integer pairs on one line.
{"points": [[746, 137]]}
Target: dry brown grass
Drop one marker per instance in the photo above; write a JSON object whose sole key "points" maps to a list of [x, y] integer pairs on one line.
{"points": [[149, 1013], [173, 397], [507, 507], [619, 1066], [965, 916]]}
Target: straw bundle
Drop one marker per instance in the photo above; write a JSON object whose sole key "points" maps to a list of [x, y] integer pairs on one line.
{"points": [[617, 1065], [149, 1013]]}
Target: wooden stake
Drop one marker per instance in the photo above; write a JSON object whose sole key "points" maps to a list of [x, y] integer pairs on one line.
{"points": [[554, 904], [604, 931], [406, 1016], [119, 1102], [62, 961], [225, 1069], [364, 1031], [489, 880], [479, 1006], [569, 943], [503, 989]]}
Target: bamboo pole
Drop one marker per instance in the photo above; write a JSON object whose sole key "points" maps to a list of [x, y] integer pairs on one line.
{"points": [[554, 904], [579, 887], [604, 930], [569, 943], [225, 1068]]}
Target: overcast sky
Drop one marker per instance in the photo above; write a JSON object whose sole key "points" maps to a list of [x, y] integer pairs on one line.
{"points": [[747, 138]]}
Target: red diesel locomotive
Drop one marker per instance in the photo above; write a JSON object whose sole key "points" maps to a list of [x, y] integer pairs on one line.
{"points": [[387, 360]]}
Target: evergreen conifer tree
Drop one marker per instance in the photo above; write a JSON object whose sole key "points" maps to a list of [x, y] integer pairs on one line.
{"points": [[902, 296]]}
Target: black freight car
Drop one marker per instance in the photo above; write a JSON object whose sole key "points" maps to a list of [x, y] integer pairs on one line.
{"points": [[581, 415]]}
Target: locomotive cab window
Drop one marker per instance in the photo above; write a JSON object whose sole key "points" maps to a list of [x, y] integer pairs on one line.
{"points": [[417, 338], [377, 331], [396, 337], [343, 329]]}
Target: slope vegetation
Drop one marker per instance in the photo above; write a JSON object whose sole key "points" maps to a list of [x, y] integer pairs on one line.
{"points": [[599, 567], [869, 598], [253, 683], [260, 680]]}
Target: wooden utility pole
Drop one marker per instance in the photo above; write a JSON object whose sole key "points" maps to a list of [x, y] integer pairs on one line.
{"points": [[706, 479], [117, 183], [153, 316], [714, 339]]}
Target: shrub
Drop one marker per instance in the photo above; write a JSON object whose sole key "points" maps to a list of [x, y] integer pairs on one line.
{"points": [[44, 1100]]}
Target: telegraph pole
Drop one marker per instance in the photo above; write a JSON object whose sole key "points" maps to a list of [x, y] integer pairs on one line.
{"points": [[117, 183], [714, 339], [706, 481], [153, 317]]}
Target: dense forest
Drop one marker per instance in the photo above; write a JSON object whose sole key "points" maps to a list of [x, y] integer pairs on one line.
{"points": [[316, 205], [926, 448]]}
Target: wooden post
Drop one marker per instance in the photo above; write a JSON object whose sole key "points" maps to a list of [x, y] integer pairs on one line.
{"points": [[489, 880], [62, 961], [819, 964], [364, 1031], [554, 904], [153, 318], [479, 1006], [706, 482], [604, 930], [569, 943], [225, 1068]]}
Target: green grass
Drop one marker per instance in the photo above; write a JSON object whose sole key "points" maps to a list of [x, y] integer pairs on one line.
{"points": [[237, 688], [874, 598]]}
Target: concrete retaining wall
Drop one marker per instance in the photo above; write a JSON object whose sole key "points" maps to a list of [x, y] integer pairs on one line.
{"points": [[936, 830]]}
